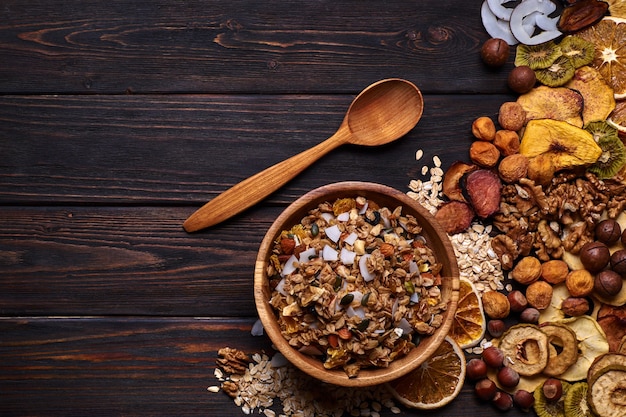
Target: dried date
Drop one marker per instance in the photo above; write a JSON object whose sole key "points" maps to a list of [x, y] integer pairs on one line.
{"points": [[483, 188], [582, 14]]}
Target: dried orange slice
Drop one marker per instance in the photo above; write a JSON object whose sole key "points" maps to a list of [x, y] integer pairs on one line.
{"points": [[617, 118], [617, 8], [469, 325], [609, 37], [436, 382]]}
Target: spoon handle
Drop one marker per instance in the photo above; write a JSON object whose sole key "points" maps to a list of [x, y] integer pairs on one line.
{"points": [[254, 189]]}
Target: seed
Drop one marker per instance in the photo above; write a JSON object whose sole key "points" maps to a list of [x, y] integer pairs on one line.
{"points": [[347, 299], [315, 229], [365, 299]]}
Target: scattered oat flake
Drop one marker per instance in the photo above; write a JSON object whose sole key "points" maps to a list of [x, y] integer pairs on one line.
{"points": [[213, 388], [419, 154]]}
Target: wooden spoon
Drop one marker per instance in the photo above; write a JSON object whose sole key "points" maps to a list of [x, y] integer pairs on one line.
{"points": [[383, 112]]}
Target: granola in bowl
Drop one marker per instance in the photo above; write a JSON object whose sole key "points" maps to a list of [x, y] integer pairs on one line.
{"points": [[355, 282]]}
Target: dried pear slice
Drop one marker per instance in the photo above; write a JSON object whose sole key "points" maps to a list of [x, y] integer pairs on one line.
{"points": [[559, 103], [568, 146], [607, 393], [598, 97], [562, 348], [591, 344], [525, 347]]}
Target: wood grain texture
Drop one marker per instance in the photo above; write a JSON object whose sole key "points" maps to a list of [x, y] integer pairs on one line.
{"points": [[291, 46]]}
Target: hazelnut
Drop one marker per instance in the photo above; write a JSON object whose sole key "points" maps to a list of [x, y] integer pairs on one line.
{"points": [[608, 283], [608, 231], [496, 305], [503, 401], [594, 256], [517, 300], [508, 377], [524, 399], [484, 154], [512, 168], [527, 270], [522, 79], [618, 261], [530, 315], [496, 327], [483, 128], [539, 294], [552, 389], [579, 283], [512, 116], [476, 369], [493, 357], [507, 142], [554, 271], [485, 389], [575, 306], [495, 52]]}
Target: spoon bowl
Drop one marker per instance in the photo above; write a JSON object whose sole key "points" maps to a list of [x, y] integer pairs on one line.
{"points": [[383, 112]]}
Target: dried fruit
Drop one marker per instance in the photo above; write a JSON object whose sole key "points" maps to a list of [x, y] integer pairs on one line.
{"points": [[615, 329], [531, 24], [597, 95], [559, 103], [451, 186], [545, 408], [612, 159], [603, 362], [562, 348], [610, 58], [496, 304], [600, 130], [554, 271], [560, 72], [582, 14], [606, 392], [591, 344], [436, 382], [579, 283], [617, 118], [495, 52], [483, 188], [578, 50], [454, 216], [567, 146], [575, 401], [513, 167], [521, 79], [527, 270], [468, 327], [617, 8], [507, 142], [484, 128], [539, 294], [527, 346], [537, 56], [484, 154], [512, 115]]}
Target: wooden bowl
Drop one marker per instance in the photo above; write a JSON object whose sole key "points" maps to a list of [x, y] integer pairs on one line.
{"points": [[384, 196]]}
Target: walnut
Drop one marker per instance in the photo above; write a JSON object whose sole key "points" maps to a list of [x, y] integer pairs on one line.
{"points": [[506, 249], [230, 388], [496, 304], [527, 270], [539, 294], [233, 361]]}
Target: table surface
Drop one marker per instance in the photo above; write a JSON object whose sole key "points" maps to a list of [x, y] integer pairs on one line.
{"points": [[119, 118]]}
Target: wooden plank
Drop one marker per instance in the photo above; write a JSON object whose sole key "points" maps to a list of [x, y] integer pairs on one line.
{"points": [[187, 149], [135, 367], [52, 46]]}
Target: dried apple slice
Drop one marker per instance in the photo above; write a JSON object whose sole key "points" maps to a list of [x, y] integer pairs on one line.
{"points": [[562, 348], [591, 344], [525, 348], [451, 186], [557, 103], [598, 99], [607, 393]]}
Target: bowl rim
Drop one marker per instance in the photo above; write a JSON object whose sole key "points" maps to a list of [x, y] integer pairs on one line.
{"points": [[310, 365]]}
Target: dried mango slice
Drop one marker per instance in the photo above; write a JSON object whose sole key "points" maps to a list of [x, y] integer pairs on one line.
{"points": [[568, 146], [557, 103], [598, 100]]}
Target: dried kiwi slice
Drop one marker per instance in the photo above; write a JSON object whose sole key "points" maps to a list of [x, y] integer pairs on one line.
{"points": [[560, 72], [575, 402], [611, 160], [545, 408], [601, 130], [525, 347], [537, 56], [578, 50]]}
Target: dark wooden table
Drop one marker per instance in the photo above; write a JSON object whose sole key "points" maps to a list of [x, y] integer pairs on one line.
{"points": [[119, 118]]}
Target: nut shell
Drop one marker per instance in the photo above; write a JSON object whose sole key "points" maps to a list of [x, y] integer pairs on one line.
{"points": [[495, 52]]}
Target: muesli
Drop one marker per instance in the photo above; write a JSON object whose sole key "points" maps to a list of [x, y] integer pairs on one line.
{"points": [[355, 284]]}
